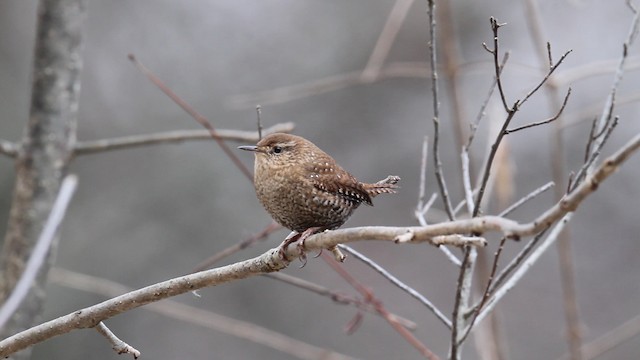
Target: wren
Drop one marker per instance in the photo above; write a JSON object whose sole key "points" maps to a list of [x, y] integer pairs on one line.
{"points": [[304, 189]]}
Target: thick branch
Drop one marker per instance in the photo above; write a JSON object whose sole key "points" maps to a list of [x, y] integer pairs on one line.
{"points": [[270, 261], [45, 149]]}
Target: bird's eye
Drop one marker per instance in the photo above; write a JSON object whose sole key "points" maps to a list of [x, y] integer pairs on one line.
{"points": [[277, 149]]}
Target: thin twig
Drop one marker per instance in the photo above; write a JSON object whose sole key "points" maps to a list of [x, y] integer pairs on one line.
{"points": [[194, 114], [608, 106], [385, 40], [496, 63], [466, 180], [528, 197], [526, 265], [546, 77], [177, 136], [420, 215], [423, 175], [259, 119], [260, 236], [485, 294], [594, 155], [118, 345], [369, 296], [463, 291], [40, 250], [397, 282], [339, 298], [482, 112], [615, 337], [538, 123], [442, 184]]}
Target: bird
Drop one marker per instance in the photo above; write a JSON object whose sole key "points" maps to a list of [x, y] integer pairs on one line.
{"points": [[304, 189]]}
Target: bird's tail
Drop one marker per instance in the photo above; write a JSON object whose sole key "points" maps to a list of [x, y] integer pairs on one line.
{"points": [[386, 186]]}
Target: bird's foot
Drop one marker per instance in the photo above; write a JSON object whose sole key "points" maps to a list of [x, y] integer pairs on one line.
{"points": [[290, 239]]}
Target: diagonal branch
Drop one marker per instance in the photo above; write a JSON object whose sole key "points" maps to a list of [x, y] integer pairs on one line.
{"points": [[194, 114], [125, 142], [270, 261]]}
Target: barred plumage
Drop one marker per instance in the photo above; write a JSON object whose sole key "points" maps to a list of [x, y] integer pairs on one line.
{"points": [[302, 187]]}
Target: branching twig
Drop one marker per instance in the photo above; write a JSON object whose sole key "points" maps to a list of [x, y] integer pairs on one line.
{"points": [[118, 345], [96, 146], [511, 111], [483, 107], [538, 123]]}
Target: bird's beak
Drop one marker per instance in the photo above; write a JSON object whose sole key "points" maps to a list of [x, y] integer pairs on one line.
{"points": [[249, 148]]}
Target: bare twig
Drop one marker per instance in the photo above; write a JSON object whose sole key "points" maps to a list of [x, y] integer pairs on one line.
{"points": [[496, 63], [193, 315], [595, 153], [385, 40], [420, 215], [96, 146], [194, 114], [528, 197], [485, 295], [399, 69], [259, 119], [262, 235], [397, 282], [466, 180], [608, 106], [596, 348], [118, 345], [511, 111], [40, 250], [538, 123], [423, 175], [442, 184], [522, 270], [368, 294], [461, 303], [483, 107], [338, 297]]}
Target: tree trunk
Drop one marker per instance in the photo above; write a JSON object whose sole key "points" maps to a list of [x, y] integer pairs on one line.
{"points": [[45, 150]]}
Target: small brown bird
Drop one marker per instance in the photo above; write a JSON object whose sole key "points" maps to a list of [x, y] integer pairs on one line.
{"points": [[304, 189]]}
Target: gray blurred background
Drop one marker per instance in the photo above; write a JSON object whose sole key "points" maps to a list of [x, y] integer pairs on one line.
{"points": [[148, 214]]}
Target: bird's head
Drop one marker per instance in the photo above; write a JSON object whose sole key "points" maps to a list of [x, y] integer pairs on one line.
{"points": [[279, 150]]}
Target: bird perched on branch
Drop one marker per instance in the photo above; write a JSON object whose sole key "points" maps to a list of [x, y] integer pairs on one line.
{"points": [[304, 189]]}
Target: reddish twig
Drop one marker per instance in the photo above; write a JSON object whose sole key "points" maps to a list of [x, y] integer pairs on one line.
{"points": [[193, 113], [369, 296]]}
